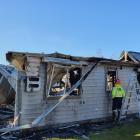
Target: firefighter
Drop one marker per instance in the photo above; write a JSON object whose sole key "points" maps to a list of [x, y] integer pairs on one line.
{"points": [[118, 94]]}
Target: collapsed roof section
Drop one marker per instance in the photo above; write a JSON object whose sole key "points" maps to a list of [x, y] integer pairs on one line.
{"points": [[10, 74], [7, 84]]}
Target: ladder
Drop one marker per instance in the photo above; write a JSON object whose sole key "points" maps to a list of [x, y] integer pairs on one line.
{"points": [[132, 92]]}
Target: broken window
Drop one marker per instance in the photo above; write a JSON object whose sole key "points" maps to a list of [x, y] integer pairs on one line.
{"points": [[32, 84], [61, 78], [111, 77]]}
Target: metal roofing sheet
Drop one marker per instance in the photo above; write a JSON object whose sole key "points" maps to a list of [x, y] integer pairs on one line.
{"points": [[135, 55]]}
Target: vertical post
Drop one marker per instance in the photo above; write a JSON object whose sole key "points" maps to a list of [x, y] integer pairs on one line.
{"points": [[66, 82], [17, 99], [125, 56], [51, 80], [45, 82]]}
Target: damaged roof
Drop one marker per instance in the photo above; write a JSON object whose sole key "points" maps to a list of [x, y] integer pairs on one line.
{"points": [[10, 54], [134, 55], [18, 59], [130, 56]]}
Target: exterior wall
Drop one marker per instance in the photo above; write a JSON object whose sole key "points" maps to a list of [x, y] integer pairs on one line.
{"points": [[126, 74], [93, 103], [31, 102]]}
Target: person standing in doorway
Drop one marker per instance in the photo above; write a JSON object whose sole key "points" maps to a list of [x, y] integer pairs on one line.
{"points": [[118, 94]]}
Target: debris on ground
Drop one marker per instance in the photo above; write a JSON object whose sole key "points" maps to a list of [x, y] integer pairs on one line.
{"points": [[6, 115], [80, 131]]}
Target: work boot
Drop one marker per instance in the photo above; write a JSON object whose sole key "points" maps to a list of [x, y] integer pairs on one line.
{"points": [[114, 115]]}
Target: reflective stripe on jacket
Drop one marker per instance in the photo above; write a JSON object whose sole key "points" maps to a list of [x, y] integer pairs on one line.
{"points": [[118, 91]]}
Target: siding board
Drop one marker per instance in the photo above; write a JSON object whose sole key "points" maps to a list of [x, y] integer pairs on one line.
{"points": [[97, 103]]}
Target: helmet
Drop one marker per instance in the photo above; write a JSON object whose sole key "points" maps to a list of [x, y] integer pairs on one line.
{"points": [[117, 81]]}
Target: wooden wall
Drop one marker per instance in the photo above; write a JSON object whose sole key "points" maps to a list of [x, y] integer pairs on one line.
{"points": [[32, 102], [126, 74], [93, 103]]}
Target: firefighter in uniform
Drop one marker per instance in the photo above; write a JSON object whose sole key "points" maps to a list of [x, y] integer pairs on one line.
{"points": [[118, 94]]}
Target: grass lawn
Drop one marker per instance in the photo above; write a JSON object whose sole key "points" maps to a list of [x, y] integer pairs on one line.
{"points": [[130, 131]]}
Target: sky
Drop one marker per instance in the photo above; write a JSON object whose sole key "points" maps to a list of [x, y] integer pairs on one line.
{"points": [[101, 28]]}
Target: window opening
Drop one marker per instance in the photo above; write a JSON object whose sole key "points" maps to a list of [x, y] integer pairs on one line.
{"points": [[62, 79], [33, 84], [111, 78]]}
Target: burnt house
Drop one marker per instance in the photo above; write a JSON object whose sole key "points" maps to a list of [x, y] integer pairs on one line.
{"points": [[57, 89]]}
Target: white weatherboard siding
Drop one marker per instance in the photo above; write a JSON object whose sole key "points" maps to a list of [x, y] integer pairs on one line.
{"points": [[32, 102], [97, 103], [95, 100], [93, 103], [125, 75]]}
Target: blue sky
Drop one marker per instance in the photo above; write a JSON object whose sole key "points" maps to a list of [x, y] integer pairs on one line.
{"points": [[76, 27]]}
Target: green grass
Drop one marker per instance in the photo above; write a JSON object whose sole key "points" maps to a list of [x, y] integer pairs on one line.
{"points": [[130, 131]]}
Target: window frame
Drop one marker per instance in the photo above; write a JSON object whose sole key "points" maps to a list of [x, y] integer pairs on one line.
{"points": [[48, 96], [109, 69]]}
